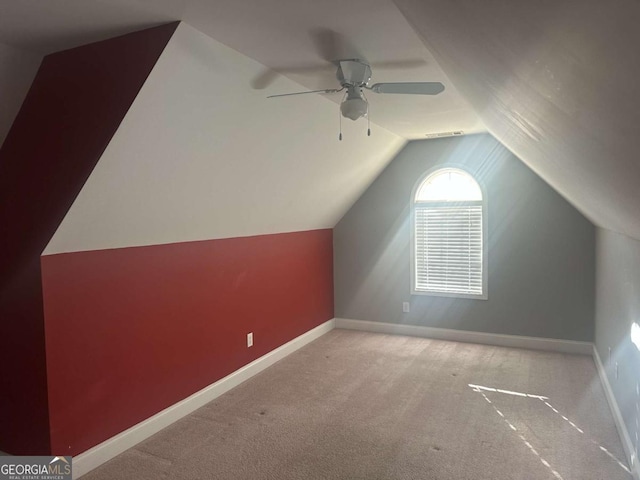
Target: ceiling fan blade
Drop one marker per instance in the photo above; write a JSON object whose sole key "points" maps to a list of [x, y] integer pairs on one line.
{"points": [[330, 90], [333, 46], [410, 88], [269, 75], [264, 79], [399, 64]]}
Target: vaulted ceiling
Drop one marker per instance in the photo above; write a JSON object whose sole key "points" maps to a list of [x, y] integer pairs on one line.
{"points": [[555, 82]]}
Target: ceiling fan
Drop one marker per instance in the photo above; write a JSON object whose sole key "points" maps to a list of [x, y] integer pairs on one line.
{"points": [[354, 75]]}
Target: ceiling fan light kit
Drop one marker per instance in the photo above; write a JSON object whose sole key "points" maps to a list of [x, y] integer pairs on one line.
{"points": [[355, 105]]}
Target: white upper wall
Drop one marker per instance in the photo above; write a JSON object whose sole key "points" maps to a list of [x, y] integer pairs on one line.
{"points": [[201, 155], [17, 71]]}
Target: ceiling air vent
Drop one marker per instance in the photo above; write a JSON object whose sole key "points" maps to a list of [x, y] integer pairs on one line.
{"points": [[444, 134]]}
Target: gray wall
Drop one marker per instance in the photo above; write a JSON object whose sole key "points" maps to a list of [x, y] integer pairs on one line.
{"points": [[617, 307], [541, 251]]}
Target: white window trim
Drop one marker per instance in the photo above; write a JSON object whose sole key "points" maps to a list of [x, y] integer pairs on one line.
{"points": [[412, 253]]}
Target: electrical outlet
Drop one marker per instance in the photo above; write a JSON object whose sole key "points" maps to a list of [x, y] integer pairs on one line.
{"points": [[406, 308], [616, 370], [249, 339], [609, 354]]}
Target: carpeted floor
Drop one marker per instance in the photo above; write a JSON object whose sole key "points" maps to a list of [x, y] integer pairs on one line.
{"points": [[356, 405]]}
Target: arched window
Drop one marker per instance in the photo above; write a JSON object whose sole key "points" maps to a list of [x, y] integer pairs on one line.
{"points": [[449, 255]]}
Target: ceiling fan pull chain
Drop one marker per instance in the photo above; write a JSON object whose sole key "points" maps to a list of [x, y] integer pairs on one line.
{"points": [[340, 116], [368, 116]]}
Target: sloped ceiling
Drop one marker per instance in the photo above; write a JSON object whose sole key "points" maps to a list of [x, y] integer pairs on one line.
{"points": [[200, 155], [557, 84]]}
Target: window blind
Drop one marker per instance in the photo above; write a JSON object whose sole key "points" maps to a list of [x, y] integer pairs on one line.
{"points": [[448, 248]]}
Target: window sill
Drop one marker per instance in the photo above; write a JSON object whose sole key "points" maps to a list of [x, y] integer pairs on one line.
{"points": [[450, 295]]}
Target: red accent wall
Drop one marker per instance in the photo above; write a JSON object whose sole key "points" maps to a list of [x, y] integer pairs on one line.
{"points": [[73, 108], [132, 331]]}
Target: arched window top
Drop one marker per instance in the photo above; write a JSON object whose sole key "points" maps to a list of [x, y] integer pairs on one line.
{"points": [[449, 185]]}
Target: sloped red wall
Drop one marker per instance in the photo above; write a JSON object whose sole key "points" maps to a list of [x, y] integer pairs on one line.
{"points": [[132, 331], [74, 106]]}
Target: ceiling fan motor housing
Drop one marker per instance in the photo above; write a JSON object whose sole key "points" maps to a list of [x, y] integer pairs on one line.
{"points": [[353, 72]]}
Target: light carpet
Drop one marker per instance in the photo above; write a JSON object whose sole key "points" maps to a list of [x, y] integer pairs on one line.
{"points": [[355, 405]]}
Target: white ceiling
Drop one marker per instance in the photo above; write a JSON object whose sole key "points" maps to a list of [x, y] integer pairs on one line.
{"points": [[276, 33]]}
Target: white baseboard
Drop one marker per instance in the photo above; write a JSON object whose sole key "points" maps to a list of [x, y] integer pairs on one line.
{"points": [[627, 444], [96, 456], [534, 343]]}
